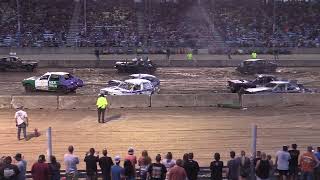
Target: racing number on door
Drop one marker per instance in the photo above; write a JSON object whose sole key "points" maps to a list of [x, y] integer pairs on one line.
{"points": [[53, 84]]}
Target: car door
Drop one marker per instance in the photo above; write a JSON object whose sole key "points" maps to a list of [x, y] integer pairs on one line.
{"points": [[42, 82], [54, 82]]}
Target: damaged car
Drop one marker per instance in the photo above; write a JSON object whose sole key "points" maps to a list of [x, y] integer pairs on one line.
{"points": [[130, 87], [62, 82], [256, 66], [261, 80], [278, 87], [15, 63], [136, 65]]}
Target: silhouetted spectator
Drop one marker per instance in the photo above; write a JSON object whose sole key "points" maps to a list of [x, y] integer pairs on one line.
{"points": [[105, 164], [192, 167], [293, 162], [144, 162], [91, 164], [157, 171], [216, 167], [263, 167], [244, 166], [233, 167], [9, 171], [258, 157], [54, 168], [40, 170], [129, 171]]}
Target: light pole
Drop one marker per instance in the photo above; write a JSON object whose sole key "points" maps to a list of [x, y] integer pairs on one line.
{"points": [[85, 16], [274, 29], [18, 21]]}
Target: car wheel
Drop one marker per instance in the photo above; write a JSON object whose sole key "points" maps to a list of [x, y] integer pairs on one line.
{"points": [[29, 88], [29, 68], [62, 89]]}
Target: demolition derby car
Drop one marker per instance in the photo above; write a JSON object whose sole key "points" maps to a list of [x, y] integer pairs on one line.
{"points": [[53, 81], [256, 66], [278, 87], [130, 87], [15, 63], [136, 65], [261, 80]]}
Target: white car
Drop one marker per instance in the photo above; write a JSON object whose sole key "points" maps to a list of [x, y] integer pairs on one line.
{"points": [[130, 87]]}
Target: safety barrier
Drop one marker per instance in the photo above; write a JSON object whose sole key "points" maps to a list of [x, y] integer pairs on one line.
{"points": [[162, 100]]}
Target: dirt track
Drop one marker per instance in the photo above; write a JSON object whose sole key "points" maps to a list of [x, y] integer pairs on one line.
{"points": [[173, 80], [200, 130]]}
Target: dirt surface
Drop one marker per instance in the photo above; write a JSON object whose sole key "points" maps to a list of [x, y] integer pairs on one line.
{"points": [[203, 131], [173, 80]]}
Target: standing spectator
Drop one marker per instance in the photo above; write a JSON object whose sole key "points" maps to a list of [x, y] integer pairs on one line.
{"points": [[54, 168], [308, 161], [21, 119], [117, 170], [157, 171], [185, 159], [102, 104], [129, 170], [131, 157], [271, 164], [105, 164], [177, 172], [317, 170], [144, 162], [282, 162], [293, 162], [192, 167], [40, 170], [22, 166], [91, 164], [9, 171], [233, 167], [257, 158], [263, 168], [169, 162], [71, 161], [244, 166], [216, 167]]}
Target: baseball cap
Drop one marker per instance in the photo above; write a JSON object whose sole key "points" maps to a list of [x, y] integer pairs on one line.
{"points": [[131, 150], [117, 159]]}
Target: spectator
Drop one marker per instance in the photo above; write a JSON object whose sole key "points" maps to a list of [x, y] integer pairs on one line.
{"points": [[71, 161], [282, 162], [54, 168], [129, 171], [144, 162], [168, 162], [191, 167], [105, 164], [308, 161], [157, 171], [258, 157], [233, 167], [117, 172], [22, 166], [40, 170], [9, 171], [293, 162], [177, 172], [131, 157], [271, 164], [263, 168], [91, 164], [185, 158], [216, 167], [317, 170], [244, 166]]}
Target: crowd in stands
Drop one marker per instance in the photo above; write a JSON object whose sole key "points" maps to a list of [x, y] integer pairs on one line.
{"points": [[288, 163], [113, 23]]}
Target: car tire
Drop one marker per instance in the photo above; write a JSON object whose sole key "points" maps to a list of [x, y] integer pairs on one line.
{"points": [[62, 89], [29, 68], [29, 88]]}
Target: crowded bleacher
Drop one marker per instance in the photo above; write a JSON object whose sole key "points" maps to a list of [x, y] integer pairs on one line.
{"points": [[126, 24]]}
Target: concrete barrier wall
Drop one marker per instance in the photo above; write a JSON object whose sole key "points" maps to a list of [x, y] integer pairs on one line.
{"points": [[173, 100], [274, 100], [130, 101], [206, 100], [77, 102], [5, 102], [35, 102]]}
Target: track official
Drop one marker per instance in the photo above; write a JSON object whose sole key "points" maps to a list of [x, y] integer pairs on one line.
{"points": [[102, 104], [21, 119]]}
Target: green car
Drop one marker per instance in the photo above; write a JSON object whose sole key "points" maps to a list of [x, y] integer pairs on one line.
{"points": [[53, 81]]}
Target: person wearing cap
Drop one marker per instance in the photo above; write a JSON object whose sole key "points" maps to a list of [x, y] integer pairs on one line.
{"points": [[131, 157], [117, 172], [22, 166], [21, 119], [9, 171], [282, 162], [40, 170], [308, 161], [102, 104], [157, 171]]}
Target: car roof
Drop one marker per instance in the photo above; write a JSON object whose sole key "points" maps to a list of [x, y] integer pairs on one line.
{"points": [[254, 60], [265, 75], [280, 82], [136, 81], [141, 75], [57, 73]]}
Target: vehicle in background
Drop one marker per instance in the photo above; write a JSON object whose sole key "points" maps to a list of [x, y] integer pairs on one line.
{"points": [[130, 87], [136, 65], [278, 87], [261, 80], [256, 66], [13, 62], [62, 82]]}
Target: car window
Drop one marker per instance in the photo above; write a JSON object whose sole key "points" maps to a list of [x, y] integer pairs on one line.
{"points": [[147, 85], [280, 88], [45, 77], [271, 85], [291, 87], [136, 87], [67, 76], [54, 77]]}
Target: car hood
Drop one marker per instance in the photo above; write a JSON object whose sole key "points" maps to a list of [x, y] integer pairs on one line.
{"points": [[258, 89], [114, 89], [29, 62], [32, 78], [239, 81]]}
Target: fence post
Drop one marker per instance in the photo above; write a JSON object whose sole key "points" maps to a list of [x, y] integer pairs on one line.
{"points": [[49, 145], [253, 150]]}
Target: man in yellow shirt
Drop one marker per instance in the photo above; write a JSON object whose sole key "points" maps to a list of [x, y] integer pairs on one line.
{"points": [[102, 104]]}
